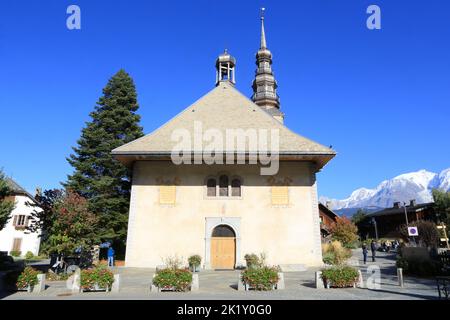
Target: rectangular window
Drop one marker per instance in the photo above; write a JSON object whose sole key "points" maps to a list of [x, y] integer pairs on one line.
{"points": [[167, 194], [20, 220], [280, 195]]}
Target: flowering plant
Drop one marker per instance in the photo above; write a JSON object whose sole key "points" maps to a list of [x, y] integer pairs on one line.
{"points": [[195, 260], [260, 278], [27, 278], [100, 276], [176, 279]]}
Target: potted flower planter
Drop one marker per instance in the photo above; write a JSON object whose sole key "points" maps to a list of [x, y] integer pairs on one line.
{"points": [[172, 280], [30, 289], [249, 287], [90, 279], [27, 280], [96, 287], [194, 263], [342, 276], [195, 268]]}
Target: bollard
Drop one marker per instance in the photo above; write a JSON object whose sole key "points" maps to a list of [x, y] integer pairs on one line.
{"points": [[241, 286], [360, 283], [76, 285], [319, 280], [195, 282], [400, 277], [41, 284], [280, 284], [153, 288], [116, 283]]}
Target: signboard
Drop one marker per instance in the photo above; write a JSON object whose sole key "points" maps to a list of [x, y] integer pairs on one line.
{"points": [[413, 232]]}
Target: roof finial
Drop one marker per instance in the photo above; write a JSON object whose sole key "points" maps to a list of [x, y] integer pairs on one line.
{"points": [[263, 35]]}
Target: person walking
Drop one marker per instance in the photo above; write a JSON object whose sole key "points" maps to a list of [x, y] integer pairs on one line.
{"points": [[373, 248], [111, 257], [365, 252]]}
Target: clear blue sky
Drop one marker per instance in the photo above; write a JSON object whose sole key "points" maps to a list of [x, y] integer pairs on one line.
{"points": [[381, 98]]}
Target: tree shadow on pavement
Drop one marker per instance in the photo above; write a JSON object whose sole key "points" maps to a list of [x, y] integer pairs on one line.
{"points": [[409, 294]]}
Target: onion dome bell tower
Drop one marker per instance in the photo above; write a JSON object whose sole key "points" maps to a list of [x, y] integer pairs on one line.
{"points": [[264, 85], [225, 65]]}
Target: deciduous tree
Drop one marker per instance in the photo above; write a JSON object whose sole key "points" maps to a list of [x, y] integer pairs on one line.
{"points": [[344, 231], [65, 220]]}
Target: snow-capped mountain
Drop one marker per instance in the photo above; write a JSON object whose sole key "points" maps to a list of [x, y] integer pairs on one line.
{"points": [[405, 187]]}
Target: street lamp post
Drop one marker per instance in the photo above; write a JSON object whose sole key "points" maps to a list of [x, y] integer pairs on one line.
{"points": [[406, 214], [375, 225]]}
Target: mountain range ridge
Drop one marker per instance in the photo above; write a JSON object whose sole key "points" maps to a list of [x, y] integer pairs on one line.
{"points": [[403, 188]]}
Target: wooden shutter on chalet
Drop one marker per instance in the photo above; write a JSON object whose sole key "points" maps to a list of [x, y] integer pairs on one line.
{"points": [[15, 220], [167, 194], [280, 195], [17, 244]]}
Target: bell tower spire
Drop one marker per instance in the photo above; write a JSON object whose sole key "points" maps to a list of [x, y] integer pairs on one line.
{"points": [[225, 65], [264, 85]]}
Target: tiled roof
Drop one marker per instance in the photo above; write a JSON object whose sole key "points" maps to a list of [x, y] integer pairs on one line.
{"points": [[17, 189], [401, 210], [224, 108]]}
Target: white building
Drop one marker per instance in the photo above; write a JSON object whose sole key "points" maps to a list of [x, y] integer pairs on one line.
{"points": [[15, 236]]}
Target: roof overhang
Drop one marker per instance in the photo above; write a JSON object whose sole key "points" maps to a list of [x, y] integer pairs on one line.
{"points": [[129, 157]]}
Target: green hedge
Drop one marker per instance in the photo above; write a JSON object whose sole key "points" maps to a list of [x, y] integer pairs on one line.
{"points": [[421, 268]]}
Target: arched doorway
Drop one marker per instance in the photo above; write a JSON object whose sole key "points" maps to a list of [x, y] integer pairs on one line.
{"points": [[223, 247]]}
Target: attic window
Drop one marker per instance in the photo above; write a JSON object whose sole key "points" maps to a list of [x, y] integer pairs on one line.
{"points": [[228, 187], [211, 187], [223, 186], [236, 188]]}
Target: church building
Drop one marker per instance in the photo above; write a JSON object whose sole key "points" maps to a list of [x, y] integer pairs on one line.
{"points": [[229, 207]]}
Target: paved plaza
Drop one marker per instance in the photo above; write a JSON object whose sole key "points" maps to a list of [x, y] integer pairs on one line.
{"points": [[135, 284]]}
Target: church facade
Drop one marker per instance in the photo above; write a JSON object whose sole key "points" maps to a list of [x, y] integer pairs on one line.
{"points": [[234, 204]]}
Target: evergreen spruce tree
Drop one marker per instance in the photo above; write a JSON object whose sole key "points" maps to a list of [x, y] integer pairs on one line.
{"points": [[99, 178]]}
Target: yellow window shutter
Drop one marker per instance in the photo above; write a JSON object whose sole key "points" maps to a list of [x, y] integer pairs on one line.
{"points": [[280, 195], [167, 194]]}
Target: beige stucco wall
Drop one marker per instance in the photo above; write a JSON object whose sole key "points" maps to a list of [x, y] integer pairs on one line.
{"points": [[288, 235]]}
